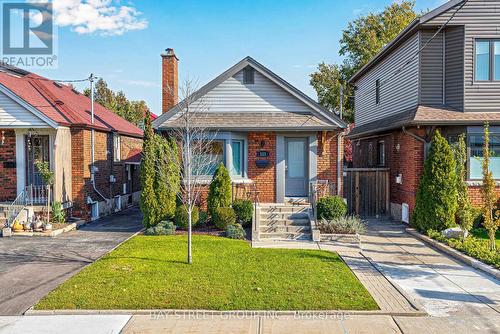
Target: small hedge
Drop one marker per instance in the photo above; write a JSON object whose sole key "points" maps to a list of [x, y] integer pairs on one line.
{"points": [[163, 228], [181, 217], [342, 225], [243, 209], [472, 246], [224, 217], [235, 231], [219, 193], [331, 207]]}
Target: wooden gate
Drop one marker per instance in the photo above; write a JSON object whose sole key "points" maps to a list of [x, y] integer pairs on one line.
{"points": [[367, 191]]}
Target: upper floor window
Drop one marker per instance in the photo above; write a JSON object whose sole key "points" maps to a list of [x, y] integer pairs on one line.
{"points": [[116, 147], [370, 154], [487, 60], [377, 91], [248, 75]]}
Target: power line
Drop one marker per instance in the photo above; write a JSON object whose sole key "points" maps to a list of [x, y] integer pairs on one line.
{"points": [[383, 82]]}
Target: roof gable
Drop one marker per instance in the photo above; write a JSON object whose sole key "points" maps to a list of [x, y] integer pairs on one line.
{"points": [[14, 113], [228, 94]]}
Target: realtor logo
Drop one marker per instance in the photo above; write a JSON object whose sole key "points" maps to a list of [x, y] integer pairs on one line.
{"points": [[28, 35]]}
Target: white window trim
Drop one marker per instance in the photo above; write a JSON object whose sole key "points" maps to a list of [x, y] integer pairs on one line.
{"points": [[477, 130], [117, 142]]}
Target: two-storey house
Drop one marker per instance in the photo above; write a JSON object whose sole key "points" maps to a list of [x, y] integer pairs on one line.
{"points": [[441, 72]]}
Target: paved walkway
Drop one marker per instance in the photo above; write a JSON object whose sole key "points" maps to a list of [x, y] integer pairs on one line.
{"points": [[31, 267], [458, 297]]}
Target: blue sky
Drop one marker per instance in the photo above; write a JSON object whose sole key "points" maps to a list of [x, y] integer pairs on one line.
{"points": [[290, 37]]}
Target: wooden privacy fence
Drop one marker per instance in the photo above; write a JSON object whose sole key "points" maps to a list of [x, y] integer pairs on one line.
{"points": [[367, 191]]}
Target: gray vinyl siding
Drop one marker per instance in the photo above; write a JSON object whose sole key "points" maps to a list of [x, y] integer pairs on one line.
{"points": [[481, 20], [263, 95], [13, 115], [454, 67], [398, 92], [431, 68]]}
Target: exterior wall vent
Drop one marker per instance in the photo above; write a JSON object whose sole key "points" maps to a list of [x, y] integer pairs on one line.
{"points": [[405, 213]]}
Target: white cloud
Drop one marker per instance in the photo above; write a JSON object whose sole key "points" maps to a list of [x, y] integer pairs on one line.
{"points": [[142, 83], [104, 17]]}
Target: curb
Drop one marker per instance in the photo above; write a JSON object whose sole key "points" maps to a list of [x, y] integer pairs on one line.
{"points": [[165, 312], [455, 254]]}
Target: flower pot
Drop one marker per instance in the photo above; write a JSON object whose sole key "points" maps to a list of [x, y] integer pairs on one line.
{"points": [[47, 227], [17, 227]]}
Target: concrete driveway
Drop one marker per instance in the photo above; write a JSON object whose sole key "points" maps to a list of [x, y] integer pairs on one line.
{"points": [[458, 297], [31, 267]]}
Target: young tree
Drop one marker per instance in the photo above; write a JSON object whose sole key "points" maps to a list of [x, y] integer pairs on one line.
{"points": [[491, 218], [363, 39], [149, 203], [436, 202], [464, 209], [196, 149]]}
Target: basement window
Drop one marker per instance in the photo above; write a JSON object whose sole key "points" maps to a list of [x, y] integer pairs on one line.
{"points": [[248, 75]]}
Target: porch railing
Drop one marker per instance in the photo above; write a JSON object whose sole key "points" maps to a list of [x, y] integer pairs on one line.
{"points": [[318, 189], [31, 195], [37, 195], [15, 208]]}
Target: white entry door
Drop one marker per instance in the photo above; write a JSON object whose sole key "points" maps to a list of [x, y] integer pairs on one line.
{"points": [[296, 170]]}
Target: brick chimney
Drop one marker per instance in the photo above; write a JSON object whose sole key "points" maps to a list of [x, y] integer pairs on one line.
{"points": [[169, 80]]}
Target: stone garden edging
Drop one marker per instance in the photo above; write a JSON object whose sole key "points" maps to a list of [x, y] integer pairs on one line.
{"points": [[456, 254]]}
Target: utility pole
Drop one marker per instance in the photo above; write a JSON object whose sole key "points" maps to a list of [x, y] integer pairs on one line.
{"points": [[91, 79], [341, 100]]}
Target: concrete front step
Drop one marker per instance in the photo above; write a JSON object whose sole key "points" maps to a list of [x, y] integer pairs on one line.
{"points": [[284, 229], [281, 215], [287, 222], [286, 236]]}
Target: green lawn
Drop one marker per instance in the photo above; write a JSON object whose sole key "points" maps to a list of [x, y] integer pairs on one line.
{"points": [[482, 233], [149, 272]]}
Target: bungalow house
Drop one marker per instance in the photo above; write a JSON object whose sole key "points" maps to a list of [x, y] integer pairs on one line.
{"points": [[269, 135], [441, 72], [44, 120]]}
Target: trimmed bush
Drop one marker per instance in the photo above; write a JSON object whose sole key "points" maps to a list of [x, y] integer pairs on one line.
{"points": [[235, 231], [436, 202], [331, 207], [181, 217], [203, 218], [342, 225], [243, 208], [162, 228], [219, 194], [58, 216], [224, 217]]}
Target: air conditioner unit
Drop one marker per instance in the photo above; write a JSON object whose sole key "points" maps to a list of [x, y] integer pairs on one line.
{"points": [[405, 213]]}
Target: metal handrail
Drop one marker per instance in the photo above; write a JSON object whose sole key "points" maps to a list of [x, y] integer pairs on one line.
{"points": [[16, 207]]}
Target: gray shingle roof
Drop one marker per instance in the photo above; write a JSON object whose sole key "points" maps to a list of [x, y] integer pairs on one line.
{"points": [[253, 121]]}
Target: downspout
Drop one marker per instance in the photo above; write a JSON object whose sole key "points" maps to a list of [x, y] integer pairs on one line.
{"points": [[92, 141], [339, 162]]}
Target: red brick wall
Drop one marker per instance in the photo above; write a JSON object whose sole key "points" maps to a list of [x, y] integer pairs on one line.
{"points": [[8, 179], [104, 161], [170, 82], [264, 177], [327, 157], [403, 155], [476, 198]]}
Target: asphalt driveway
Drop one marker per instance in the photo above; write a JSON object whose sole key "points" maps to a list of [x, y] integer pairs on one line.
{"points": [[31, 267]]}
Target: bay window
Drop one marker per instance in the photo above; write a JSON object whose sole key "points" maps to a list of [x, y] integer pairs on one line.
{"points": [[476, 141]]}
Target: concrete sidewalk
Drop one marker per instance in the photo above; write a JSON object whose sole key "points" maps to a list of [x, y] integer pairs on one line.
{"points": [[31, 267]]}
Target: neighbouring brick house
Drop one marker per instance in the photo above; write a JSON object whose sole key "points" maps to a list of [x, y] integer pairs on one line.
{"points": [[427, 80], [268, 133], [41, 119]]}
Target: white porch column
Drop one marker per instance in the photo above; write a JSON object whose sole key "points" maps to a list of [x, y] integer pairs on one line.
{"points": [[20, 161]]}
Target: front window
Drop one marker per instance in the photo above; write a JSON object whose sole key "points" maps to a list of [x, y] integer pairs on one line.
{"points": [[487, 60], [206, 163], [476, 153], [381, 153], [237, 156]]}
